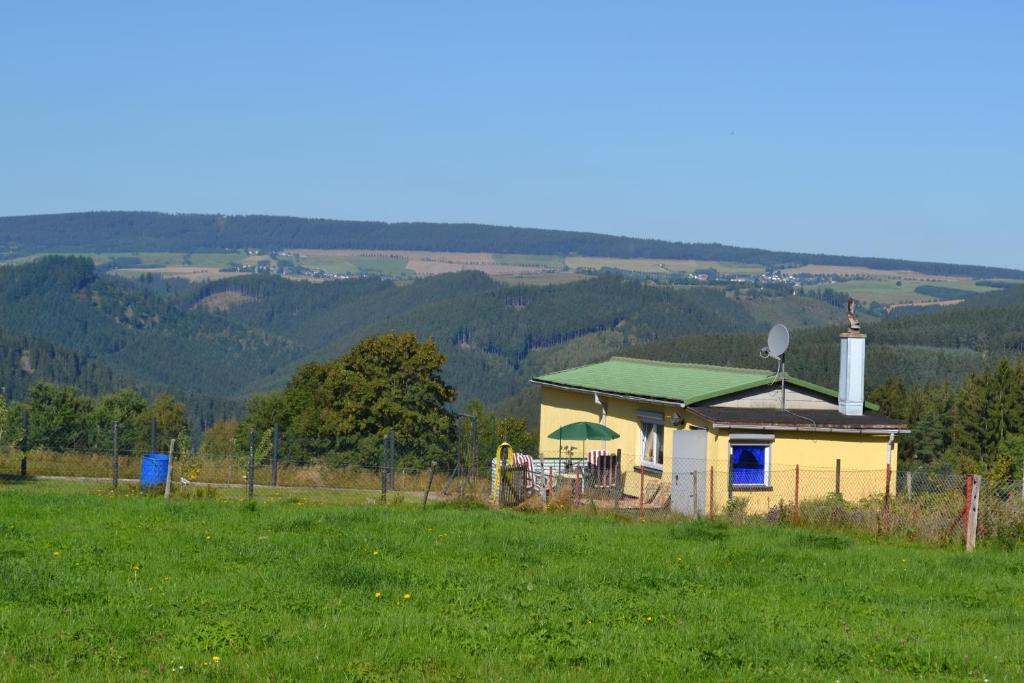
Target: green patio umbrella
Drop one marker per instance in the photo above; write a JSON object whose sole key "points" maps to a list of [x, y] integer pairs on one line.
{"points": [[582, 431]]}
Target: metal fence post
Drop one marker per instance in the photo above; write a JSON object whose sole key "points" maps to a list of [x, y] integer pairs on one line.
{"points": [[114, 470], [252, 464], [473, 447], [274, 455], [384, 468], [910, 485], [885, 504], [392, 440], [24, 443], [796, 495], [459, 422], [974, 488], [152, 435]]}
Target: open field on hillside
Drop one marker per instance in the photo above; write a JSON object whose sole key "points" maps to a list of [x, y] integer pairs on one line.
{"points": [[100, 586], [541, 279], [532, 268], [892, 290], [871, 285], [185, 272], [648, 265], [863, 271]]}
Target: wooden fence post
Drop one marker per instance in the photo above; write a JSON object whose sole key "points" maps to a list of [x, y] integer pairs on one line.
{"points": [[430, 480], [697, 512], [711, 492], [972, 514], [839, 489], [579, 485], [971, 521], [170, 461], [910, 485], [643, 493]]}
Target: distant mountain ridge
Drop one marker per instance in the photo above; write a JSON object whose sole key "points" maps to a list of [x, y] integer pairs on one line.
{"points": [[120, 231]]}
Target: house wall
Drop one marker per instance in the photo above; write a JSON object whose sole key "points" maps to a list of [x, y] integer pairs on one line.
{"points": [[796, 399], [862, 468], [560, 407], [862, 456]]}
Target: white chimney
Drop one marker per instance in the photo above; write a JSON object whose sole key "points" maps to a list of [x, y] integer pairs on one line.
{"points": [[851, 373]]}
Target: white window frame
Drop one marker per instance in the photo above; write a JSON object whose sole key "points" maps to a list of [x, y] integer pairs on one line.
{"points": [[656, 422], [763, 440]]}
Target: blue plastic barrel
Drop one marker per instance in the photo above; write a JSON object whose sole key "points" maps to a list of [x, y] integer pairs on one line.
{"points": [[154, 470]]}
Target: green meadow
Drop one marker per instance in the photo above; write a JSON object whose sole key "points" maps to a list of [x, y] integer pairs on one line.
{"points": [[98, 586]]}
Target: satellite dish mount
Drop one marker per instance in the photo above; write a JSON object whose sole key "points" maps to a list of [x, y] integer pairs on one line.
{"points": [[778, 344]]}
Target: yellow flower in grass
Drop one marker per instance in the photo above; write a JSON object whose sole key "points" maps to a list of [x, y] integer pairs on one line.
{"points": [[215, 658], [376, 552], [135, 567], [407, 596], [377, 594], [56, 553]]}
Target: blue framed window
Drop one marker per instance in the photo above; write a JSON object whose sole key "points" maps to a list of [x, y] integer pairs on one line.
{"points": [[750, 464]]}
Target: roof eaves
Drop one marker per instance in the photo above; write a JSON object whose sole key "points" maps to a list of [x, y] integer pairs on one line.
{"points": [[707, 396], [607, 392], [811, 386]]}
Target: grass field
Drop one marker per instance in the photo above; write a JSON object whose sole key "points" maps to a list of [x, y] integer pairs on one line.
{"points": [[648, 265], [887, 292], [101, 586]]}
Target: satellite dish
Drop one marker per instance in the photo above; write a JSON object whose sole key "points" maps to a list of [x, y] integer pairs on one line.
{"points": [[778, 341]]}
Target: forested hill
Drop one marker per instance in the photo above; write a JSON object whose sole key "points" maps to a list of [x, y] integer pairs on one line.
{"points": [[25, 361], [216, 344], [126, 231], [147, 340], [490, 332], [942, 346]]}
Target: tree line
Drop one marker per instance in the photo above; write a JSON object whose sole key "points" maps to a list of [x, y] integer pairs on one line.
{"points": [[61, 418], [975, 426], [338, 412]]}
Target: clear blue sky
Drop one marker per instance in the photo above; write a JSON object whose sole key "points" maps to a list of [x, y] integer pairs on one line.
{"points": [[880, 128]]}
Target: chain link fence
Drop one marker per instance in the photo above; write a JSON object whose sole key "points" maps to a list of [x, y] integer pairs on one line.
{"points": [[921, 505], [925, 506]]}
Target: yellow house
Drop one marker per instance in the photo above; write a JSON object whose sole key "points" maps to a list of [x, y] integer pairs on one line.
{"points": [[705, 435]]}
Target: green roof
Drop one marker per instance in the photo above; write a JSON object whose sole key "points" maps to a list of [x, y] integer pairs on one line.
{"points": [[678, 382]]}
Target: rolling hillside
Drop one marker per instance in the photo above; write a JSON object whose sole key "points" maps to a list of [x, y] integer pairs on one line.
{"points": [[218, 343], [125, 231]]}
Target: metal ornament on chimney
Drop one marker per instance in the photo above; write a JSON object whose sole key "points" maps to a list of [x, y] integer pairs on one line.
{"points": [[851, 314]]}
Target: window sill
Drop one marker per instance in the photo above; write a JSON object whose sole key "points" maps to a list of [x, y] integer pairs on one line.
{"points": [[750, 487], [649, 469]]}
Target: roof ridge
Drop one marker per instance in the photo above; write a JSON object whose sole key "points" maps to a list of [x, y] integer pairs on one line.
{"points": [[709, 366]]}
